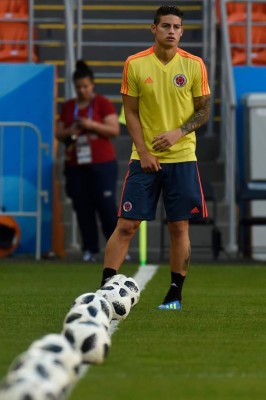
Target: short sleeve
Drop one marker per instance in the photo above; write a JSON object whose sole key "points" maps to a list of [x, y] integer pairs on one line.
{"points": [[105, 106], [200, 85], [129, 83]]}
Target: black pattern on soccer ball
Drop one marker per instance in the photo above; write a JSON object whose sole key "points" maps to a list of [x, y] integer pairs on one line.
{"points": [[119, 308], [68, 334], [89, 343], [105, 308], [131, 286], [73, 317]]}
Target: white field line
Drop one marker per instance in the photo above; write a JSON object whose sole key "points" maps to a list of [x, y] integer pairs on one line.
{"points": [[143, 276]]}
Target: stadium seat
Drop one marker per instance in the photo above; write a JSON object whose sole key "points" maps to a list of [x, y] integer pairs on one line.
{"points": [[14, 51], [237, 34], [238, 11], [14, 8], [258, 57]]}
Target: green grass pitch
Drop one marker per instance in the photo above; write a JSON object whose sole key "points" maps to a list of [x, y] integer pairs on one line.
{"points": [[215, 348]]}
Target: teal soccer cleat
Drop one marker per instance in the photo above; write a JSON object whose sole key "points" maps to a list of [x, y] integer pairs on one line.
{"points": [[173, 305]]}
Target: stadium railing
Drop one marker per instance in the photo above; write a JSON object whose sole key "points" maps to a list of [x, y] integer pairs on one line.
{"points": [[23, 210]]}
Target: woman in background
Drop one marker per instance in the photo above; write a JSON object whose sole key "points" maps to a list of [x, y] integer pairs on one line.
{"points": [[86, 126]]}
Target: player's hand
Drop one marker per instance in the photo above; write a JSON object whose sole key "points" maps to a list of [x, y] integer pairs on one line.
{"points": [[165, 140], [149, 163]]}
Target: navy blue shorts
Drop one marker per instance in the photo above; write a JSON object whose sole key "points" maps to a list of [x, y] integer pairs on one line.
{"points": [[179, 184]]}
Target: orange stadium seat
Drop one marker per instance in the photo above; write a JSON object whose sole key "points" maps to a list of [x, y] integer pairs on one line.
{"points": [[258, 57], [14, 8], [14, 51], [238, 36], [233, 8], [238, 11]]}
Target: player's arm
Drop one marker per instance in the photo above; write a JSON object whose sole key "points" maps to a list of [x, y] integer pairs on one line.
{"points": [[149, 163], [198, 118]]}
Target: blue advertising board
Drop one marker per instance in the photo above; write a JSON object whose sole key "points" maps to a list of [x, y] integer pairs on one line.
{"points": [[27, 95]]}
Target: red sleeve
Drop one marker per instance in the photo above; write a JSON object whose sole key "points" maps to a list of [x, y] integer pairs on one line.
{"points": [[66, 115], [104, 106]]}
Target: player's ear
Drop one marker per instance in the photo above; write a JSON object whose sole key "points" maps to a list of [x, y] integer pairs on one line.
{"points": [[153, 29]]}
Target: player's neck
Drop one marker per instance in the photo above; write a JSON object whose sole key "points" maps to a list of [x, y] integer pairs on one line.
{"points": [[164, 55]]}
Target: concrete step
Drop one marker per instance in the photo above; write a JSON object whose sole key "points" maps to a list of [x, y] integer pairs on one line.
{"points": [[105, 42], [219, 190], [207, 148], [211, 171]]}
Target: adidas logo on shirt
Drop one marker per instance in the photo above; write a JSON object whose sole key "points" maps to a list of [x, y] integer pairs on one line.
{"points": [[148, 80]]}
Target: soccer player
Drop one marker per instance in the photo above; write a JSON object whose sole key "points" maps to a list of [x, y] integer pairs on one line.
{"points": [[166, 97]]}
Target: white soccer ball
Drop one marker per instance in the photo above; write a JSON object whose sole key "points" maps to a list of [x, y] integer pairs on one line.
{"points": [[95, 300], [129, 284], [119, 299], [39, 367], [116, 277], [83, 313], [25, 388], [60, 348], [91, 339]]}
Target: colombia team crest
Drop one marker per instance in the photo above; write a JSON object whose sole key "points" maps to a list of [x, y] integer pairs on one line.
{"points": [[180, 80], [127, 206]]}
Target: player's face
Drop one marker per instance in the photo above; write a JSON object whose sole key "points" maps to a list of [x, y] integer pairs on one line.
{"points": [[168, 31], [84, 88]]}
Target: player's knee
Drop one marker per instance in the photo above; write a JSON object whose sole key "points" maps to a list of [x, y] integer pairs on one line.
{"points": [[178, 228], [127, 228]]}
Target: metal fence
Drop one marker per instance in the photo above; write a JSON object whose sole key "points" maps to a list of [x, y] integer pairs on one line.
{"points": [[27, 133]]}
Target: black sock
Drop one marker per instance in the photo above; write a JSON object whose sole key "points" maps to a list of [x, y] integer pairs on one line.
{"points": [[175, 291], [178, 279], [107, 273]]}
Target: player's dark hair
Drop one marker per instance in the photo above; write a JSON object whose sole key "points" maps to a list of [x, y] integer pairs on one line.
{"points": [[82, 71], [167, 10]]}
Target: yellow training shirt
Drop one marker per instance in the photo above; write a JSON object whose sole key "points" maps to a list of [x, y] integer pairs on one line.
{"points": [[165, 95]]}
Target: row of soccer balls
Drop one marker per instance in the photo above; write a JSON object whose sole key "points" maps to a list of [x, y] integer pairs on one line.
{"points": [[51, 366]]}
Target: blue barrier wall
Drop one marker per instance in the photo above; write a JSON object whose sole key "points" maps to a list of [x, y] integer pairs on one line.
{"points": [[27, 94], [247, 80]]}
